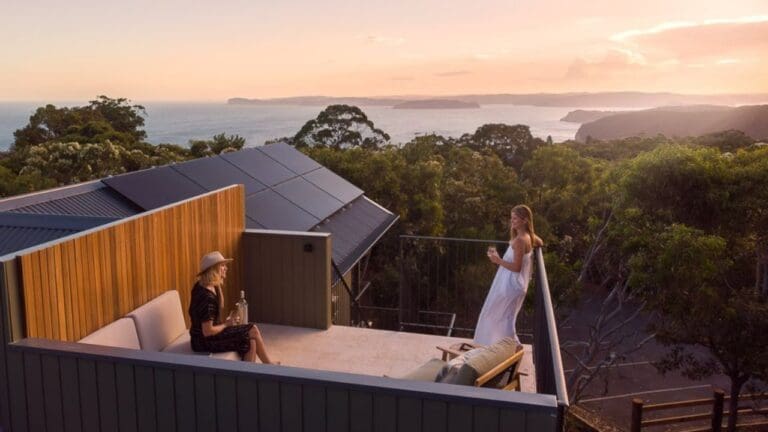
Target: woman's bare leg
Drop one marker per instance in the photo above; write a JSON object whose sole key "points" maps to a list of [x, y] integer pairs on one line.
{"points": [[261, 348], [250, 356]]}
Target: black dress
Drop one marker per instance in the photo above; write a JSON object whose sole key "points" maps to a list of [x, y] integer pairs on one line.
{"points": [[204, 306]]}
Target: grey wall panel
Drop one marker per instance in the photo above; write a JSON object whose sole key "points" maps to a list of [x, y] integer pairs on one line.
{"points": [[384, 413], [184, 386], [248, 404], [486, 419], [290, 408], [269, 406], [408, 414], [535, 421], [360, 412], [146, 412], [226, 403], [338, 410], [105, 378], [70, 398], [126, 398], [435, 416], [18, 387], [459, 418], [511, 420], [205, 402], [54, 414], [165, 401], [33, 378], [313, 402], [89, 394]]}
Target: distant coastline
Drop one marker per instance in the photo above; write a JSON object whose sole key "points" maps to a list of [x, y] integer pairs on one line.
{"points": [[576, 100], [437, 104]]}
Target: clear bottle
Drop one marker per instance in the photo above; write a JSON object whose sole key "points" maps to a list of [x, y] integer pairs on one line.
{"points": [[242, 308]]}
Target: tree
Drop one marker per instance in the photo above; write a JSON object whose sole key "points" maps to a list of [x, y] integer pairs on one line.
{"points": [[340, 126], [513, 144], [104, 119], [688, 223], [220, 143]]}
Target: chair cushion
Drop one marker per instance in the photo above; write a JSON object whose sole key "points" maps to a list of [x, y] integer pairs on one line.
{"points": [[227, 355], [466, 368], [181, 345], [160, 321], [426, 372], [456, 371], [491, 356], [121, 334]]}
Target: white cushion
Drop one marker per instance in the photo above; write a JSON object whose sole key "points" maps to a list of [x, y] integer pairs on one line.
{"points": [[121, 334], [180, 345], [160, 321], [228, 355]]}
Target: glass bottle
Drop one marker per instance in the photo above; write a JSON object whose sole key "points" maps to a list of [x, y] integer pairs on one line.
{"points": [[242, 308]]}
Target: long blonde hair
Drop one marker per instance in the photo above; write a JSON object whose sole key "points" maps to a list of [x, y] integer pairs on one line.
{"points": [[526, 214], [212, 276]]}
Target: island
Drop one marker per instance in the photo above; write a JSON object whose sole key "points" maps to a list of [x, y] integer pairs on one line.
{"points": [[436, 104]]}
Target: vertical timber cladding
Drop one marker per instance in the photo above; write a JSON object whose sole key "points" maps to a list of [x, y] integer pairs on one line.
{"points": [[288, 277], [82, 283]]}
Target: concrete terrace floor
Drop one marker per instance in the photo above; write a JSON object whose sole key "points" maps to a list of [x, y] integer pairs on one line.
{"points": [[365, 351]]}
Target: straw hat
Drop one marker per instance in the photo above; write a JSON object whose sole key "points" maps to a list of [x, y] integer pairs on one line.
{"points": [[211, 259]]}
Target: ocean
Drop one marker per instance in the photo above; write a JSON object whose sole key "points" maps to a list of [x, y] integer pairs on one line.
{"points": [[177, 123]]}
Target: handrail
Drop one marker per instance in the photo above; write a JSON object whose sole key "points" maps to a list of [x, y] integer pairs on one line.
{"points": [[555, 362]]}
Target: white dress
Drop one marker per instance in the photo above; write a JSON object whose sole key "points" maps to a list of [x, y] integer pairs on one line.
{"points": [[505, 298]]}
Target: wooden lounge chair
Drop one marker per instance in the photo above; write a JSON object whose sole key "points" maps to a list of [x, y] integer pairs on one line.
{"points": [[494, 366]]}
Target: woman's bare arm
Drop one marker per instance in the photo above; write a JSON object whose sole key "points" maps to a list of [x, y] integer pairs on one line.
{"points": [[210, 330], [519, 246]]}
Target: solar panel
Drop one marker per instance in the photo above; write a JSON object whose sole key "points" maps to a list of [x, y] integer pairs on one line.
{"points": [[154, 187], [309, 197], [259, 166], [272, 211], [293, 159], [215, 172], [328, 181]]}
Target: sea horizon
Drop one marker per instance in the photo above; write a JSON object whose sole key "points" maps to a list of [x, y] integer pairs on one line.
{"points": [[175, 122]]}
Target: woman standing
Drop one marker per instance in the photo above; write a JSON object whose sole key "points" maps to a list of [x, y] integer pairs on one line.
{"points": [[507, 293], [207, 332]]}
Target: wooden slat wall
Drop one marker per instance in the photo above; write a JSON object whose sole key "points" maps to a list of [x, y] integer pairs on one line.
{"points": [[233, 396], [284, 283], [76, 286]]}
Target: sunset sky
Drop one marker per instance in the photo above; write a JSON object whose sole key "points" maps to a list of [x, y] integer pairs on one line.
{"points": [[203, 50]]}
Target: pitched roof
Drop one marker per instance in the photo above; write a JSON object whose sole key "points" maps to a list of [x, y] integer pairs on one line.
{"points": [[285, 190], [19, 231]]}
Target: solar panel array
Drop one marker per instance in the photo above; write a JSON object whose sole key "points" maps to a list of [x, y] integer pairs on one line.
{"points": [[284, 188]]}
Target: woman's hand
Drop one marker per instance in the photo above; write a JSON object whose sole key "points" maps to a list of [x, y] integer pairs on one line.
{"points": [[493, 255]]}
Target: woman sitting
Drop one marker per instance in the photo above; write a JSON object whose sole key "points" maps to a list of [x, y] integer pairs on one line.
{"points": [[208, 334]]}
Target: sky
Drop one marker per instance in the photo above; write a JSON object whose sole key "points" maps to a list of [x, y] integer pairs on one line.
{"points": [[168, 50]]}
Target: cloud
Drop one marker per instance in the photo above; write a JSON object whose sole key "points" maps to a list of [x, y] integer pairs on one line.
{"points": [[453, 73], [402, 78], [385, 40], [697, 42], [617, 60]]}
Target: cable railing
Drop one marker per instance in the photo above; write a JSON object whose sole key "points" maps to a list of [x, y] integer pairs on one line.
{"points": [[443, 284]]}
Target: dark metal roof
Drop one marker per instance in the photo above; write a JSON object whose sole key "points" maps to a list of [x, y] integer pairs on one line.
{"points": [[355, 229], [85, 199], [19, 231]]}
